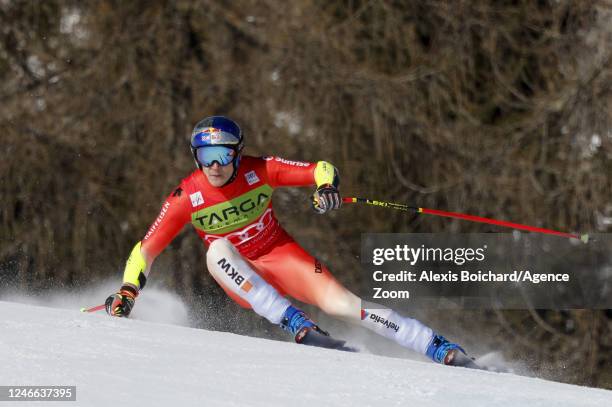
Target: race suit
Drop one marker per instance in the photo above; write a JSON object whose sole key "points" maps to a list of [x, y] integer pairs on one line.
{"points": [[242, 213]]}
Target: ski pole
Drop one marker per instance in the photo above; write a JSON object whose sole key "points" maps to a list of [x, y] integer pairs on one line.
{"points": [[94, 309], [402, 207]]}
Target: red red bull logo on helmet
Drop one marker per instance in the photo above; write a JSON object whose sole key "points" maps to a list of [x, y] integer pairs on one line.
{"points": [[212, 135]]}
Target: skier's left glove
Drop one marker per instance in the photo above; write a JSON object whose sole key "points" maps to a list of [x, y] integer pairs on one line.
{"points": [[121, 303], [326, 198]]}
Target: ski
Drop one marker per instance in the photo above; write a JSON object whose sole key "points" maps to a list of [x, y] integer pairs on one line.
{"points": [[313, 337], [491, 362]]}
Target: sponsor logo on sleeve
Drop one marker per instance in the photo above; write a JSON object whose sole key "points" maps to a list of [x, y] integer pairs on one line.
{"points": [[251, 177], [160, 217], [196, 199], [289, 162]]}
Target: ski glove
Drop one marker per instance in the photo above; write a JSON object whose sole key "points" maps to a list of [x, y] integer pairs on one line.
{"points": [[326, 198], [121, 303]]}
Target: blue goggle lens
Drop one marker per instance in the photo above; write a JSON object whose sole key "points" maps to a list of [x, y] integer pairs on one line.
{"points": [[207, 156]]}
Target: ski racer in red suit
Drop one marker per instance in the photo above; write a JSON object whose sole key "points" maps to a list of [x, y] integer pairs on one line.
{"points": [[227, 199]]}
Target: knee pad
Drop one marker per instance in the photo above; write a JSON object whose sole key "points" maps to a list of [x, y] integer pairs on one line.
{"points": [[230, 269]]}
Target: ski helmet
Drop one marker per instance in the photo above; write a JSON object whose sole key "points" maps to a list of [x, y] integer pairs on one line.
{"points": [[217, 131]]}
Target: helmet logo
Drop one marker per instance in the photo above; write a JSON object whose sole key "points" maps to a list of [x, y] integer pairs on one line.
{"points": [[211, 135], [216, 136]]}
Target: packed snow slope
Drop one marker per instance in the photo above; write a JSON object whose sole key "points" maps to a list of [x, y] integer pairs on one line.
{"points": [[139, 363]]}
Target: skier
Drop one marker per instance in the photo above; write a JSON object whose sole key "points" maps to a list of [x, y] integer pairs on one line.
{"points": [[227, 199]]}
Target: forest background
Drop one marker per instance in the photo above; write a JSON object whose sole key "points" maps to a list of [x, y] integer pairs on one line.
{"points": [[495, 108]]}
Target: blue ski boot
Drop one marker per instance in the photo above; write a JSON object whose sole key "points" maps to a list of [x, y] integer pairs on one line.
{"points": [[307, 332], [440, 350]]}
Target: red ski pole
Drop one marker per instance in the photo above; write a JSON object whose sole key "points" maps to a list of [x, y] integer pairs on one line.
{"points": [[94, 309], [472, 218]]}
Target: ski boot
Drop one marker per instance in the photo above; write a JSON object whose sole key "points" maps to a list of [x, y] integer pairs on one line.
{"points": [[308, 333], [442, 351]]}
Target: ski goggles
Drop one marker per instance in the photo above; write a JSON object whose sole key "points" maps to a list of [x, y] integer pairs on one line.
{"points": [[222, 155]]}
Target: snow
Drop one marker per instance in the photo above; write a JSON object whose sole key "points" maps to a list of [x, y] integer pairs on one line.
{"points": [[143, 363]]}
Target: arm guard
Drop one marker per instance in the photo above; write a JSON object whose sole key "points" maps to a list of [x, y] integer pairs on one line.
{"points": [[325, 173], [134, 273]]}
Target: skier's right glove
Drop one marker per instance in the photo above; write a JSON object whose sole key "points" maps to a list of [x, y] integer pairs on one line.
{"points": [[121, 303]]}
